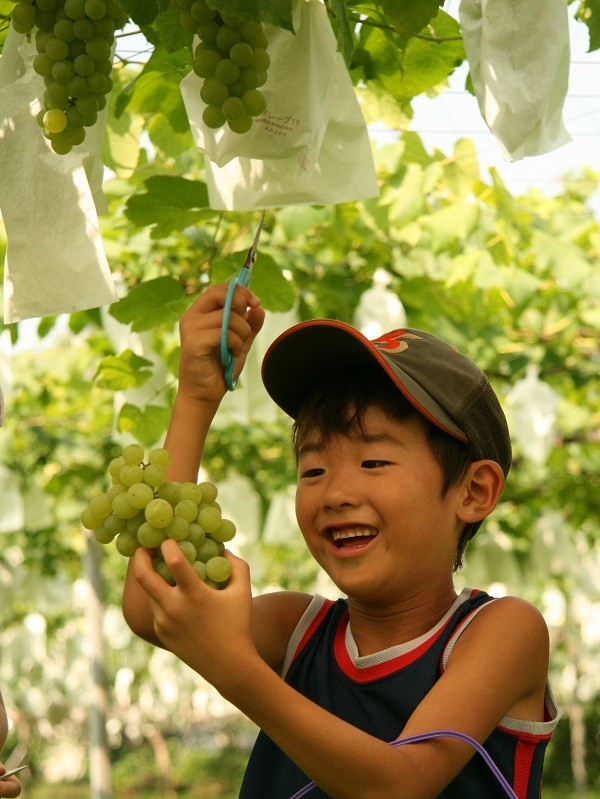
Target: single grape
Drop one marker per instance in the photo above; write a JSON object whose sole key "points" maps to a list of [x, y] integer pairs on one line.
{"points": [[233, 108], [218, 569], [75, 9], [260, 60], [102, 535], [169, 492], [114, 524], [75, 121], [95, 9], [63, 30], [187, 509], [254, 102], [123, 508], [101, 504], [160, 457], [97, 82], [84, 65], [232, 20], [130, 473], [23, 18], [139, 495], [227, 36], [56, 96], [209, 491], [189, 550], [205, 63], [250, 31], [227, 71], [158, 512], [154, 475], [196, 534], [115, 466], [207, 31], [214, 92], [97, 48], [113, 490], [191, 491], [178, 529], [63, 71], [133, 525], [90, 520], [75, 135], [241, 54], [57, 50], [225, 532], [200, 569], [149, 536], [201, 12], [213, 117], [44, 20], [160, 567], [210, 519], [206, 550], [83, 29], [133, 454], [43, 65], [126, 544]]}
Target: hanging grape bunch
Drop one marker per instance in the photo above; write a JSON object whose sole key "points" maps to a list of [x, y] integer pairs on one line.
{"points": [[232, 59], [73, 40], [142, 509]]}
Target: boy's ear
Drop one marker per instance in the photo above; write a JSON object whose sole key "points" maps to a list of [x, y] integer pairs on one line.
{"points": [[483, 485]]}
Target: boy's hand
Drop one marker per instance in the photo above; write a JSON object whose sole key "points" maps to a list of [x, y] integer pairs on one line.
{"points": [[11, 786], [208, 629], [201, 374]]}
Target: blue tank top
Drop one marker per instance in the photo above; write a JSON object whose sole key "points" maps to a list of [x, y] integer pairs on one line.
{"points": [[378, 694]]}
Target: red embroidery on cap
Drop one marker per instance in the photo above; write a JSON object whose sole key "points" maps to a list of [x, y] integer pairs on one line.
{"points": [[395, 341]]}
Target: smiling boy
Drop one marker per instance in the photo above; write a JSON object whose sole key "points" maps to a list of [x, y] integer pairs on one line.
{"points": [[402, 451]]}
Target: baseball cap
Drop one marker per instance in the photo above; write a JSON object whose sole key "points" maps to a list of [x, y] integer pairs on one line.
{"points": [[444, 385]]}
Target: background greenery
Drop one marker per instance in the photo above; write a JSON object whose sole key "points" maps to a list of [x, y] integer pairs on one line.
{"points": [[511, 280]]}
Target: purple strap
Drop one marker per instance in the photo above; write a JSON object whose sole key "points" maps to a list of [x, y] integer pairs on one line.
{"points": [[426, 736]]}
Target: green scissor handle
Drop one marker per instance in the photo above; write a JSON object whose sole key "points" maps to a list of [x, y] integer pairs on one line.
{"points": [[242, 279]]}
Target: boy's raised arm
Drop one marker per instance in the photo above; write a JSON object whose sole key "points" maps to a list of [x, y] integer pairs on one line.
{"points": [[200, 391]]}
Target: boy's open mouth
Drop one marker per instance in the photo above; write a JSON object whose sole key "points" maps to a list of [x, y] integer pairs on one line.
{"points": [[347, 539]]}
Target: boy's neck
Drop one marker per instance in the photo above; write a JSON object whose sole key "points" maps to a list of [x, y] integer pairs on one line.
{"points": [[376, 628]]}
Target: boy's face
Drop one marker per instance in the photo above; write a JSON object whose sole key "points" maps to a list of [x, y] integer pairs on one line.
{"points": [[371, 511]]}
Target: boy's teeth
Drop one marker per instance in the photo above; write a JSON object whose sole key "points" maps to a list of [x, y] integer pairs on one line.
{"points": [[340, 535]]}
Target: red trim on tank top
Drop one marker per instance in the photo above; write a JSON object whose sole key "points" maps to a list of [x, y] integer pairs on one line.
{"points": [[312, 627], [369, 673]]}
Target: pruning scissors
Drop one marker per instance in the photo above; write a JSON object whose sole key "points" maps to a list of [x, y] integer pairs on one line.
{"points": [[242, 279]]}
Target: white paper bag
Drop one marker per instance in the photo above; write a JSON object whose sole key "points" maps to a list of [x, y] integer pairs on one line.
{"points": [[55, 261], [298, 92], [519, 58]]}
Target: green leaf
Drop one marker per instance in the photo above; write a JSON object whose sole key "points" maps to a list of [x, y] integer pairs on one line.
{"points": [[343, 29], [409, 17], [123, 371], [266, 281], [158, 302], [589, 13], [147, 425], [142, 12], [169, 204], [450, 224]]}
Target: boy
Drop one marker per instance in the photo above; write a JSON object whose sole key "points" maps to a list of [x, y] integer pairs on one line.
{"points": [[402, 451]]}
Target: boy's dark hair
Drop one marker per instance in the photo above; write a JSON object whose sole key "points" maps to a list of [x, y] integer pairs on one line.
{"points": [[337, 405]]}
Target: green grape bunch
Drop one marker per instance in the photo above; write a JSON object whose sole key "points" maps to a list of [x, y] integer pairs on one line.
{"points": [[142, 508], [73, 40], [232, 60]]}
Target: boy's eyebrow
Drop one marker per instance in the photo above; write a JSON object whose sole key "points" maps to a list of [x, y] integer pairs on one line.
{"points": [[373, 438]]}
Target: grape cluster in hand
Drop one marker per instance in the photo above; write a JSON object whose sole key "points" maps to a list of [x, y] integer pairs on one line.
{"points": [[142, 509], [73, 39], [232, 59]]}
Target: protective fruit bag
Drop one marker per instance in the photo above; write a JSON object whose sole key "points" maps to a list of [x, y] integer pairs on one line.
{"points": [[310, 145], [55, 261]]}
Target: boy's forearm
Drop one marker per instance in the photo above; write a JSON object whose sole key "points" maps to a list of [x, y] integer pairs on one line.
{"points": [[344, 761], [186, 436]]}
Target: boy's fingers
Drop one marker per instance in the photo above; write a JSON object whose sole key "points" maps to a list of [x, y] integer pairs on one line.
{"points": [[179, 566]]}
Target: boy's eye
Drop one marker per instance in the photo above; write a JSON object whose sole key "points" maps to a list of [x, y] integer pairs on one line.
{"points": [[373, 464], [312, 472]]}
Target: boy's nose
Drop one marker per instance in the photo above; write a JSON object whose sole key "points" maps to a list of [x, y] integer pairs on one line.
{"points": [[342, 489]]}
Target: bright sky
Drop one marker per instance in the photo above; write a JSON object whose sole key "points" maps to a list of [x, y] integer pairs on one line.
{"points": [[455, 114]]}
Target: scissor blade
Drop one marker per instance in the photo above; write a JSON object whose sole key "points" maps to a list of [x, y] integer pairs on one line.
{"points": [[251, 257]]}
